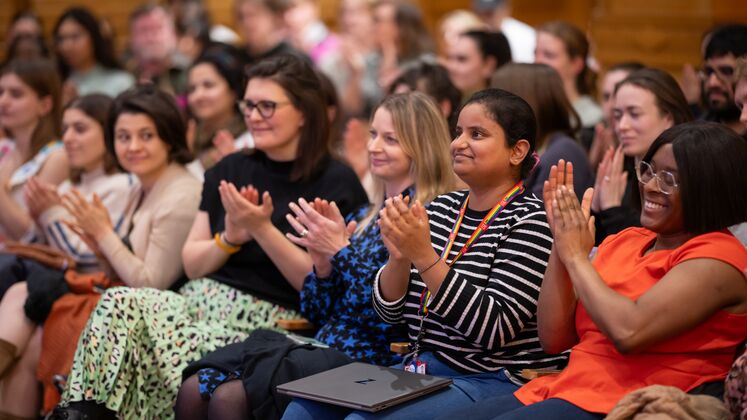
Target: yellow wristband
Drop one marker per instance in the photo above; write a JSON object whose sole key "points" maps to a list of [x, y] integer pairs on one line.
{"points": [[228, 249]]}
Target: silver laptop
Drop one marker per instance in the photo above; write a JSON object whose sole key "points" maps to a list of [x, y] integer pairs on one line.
{"points": [[363, 387]]}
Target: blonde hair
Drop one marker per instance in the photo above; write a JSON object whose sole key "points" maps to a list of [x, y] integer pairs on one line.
{"points": [[424, 136]]}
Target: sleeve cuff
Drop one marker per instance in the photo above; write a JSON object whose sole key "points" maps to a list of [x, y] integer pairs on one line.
{"points": [[392, 305]]}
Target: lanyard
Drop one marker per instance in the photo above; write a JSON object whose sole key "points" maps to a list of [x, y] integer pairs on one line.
{"points": [[482, 227]]}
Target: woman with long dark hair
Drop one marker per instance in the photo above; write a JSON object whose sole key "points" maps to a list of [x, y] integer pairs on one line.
{"points": [[86, 57]]}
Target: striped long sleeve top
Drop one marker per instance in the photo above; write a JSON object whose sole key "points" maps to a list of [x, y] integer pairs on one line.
{"points": [[484, 315], [115, 192]]}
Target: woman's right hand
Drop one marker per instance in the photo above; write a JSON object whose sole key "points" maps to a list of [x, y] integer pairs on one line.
{"points": [[234, 232], [321, 230], [611, 181], [40, 196]]}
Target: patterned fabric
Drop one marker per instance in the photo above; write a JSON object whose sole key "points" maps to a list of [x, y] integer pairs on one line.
{"points": [[341, 304], [137, 342], [735, 391], [210, 378], [483, 316]]}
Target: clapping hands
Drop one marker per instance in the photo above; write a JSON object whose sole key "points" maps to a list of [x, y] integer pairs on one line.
{"points": [[320, 229], [245, 216], [40, 196], [405, 229], [570, 221]]}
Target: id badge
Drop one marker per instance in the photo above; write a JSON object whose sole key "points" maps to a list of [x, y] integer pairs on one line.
{"points": [[416, 366]]}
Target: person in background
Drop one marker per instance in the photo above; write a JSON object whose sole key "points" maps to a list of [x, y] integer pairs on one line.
{"points": [[24, 23], [408, 155], [30, 116], [262, 28], [722, 48], [153, 56], [308, 33], [565, 48], [455, 23], [401, 36], [86, 58], [557, 122], [662, 304], [26, 47], [473, 57], [94, 172], [432, 79], [647, 102], [357, 74], [740, 89], [215, 80], [604, 134], [521, 37]]}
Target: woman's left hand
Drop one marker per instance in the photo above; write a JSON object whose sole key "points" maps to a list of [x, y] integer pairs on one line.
{"points": [[40, 196], [92, 218], [573, 226], [409, 229]]}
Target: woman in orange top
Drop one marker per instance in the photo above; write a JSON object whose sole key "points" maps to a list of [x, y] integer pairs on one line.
{"points": [[663, 304]]}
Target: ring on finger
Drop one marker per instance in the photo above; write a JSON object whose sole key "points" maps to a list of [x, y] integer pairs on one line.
{"points": [[606, 178], [304, 233]]}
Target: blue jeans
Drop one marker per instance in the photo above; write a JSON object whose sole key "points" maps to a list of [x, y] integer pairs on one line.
{"points": [[463, 393], [507, 407]]}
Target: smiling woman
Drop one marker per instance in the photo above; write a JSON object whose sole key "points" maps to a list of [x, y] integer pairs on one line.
{"points": [[646, 103], [663, 304]]}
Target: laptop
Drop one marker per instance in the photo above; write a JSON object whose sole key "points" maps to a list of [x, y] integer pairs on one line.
{"points": [[363, 387]]}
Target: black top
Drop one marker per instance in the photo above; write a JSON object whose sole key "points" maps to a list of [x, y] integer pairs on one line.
{"points": [[251, 270]]}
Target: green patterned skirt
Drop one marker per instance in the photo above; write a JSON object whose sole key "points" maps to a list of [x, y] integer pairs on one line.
{"points": [[137, 342]]}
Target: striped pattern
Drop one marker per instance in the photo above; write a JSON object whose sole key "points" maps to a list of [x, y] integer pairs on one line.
{"points": [[483, 318]]}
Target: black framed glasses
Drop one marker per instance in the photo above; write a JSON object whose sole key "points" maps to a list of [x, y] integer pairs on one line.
{"points": [[665, 180], [265, 108], [725, 72]]}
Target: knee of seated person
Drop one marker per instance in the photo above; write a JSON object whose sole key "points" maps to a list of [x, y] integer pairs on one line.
{"points": [[30, 356], [231, 392], [17, 293], [189, 388]]}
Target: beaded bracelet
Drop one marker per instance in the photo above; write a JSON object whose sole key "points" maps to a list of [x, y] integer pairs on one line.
{"points": [[228, 249]]}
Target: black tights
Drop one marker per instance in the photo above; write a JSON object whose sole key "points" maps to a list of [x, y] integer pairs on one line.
{"points": [[228, 401]]}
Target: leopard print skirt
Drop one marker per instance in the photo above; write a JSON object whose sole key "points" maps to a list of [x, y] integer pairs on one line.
{"points": [[131, 355]]}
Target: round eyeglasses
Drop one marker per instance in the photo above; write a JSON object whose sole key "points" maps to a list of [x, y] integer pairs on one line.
{"points": [[665, 180], [265, 108]]}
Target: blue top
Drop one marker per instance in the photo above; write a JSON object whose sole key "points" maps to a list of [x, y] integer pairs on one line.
{"points": [[342, 306]]}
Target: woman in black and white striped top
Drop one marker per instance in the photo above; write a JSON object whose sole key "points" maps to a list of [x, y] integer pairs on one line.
{"points": [[478, 323]]}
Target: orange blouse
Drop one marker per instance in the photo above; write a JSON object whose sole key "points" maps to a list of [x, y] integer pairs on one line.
{"points": [[598, 376]]}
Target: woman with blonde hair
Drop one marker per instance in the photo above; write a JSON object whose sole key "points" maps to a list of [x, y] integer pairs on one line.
{"points": [[408, 155]]}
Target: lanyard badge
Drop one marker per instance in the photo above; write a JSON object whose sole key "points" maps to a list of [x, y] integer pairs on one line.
{"points": [[416, 365]]}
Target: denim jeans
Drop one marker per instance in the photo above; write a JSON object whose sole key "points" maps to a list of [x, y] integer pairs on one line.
{"points": [[507, 407]]}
